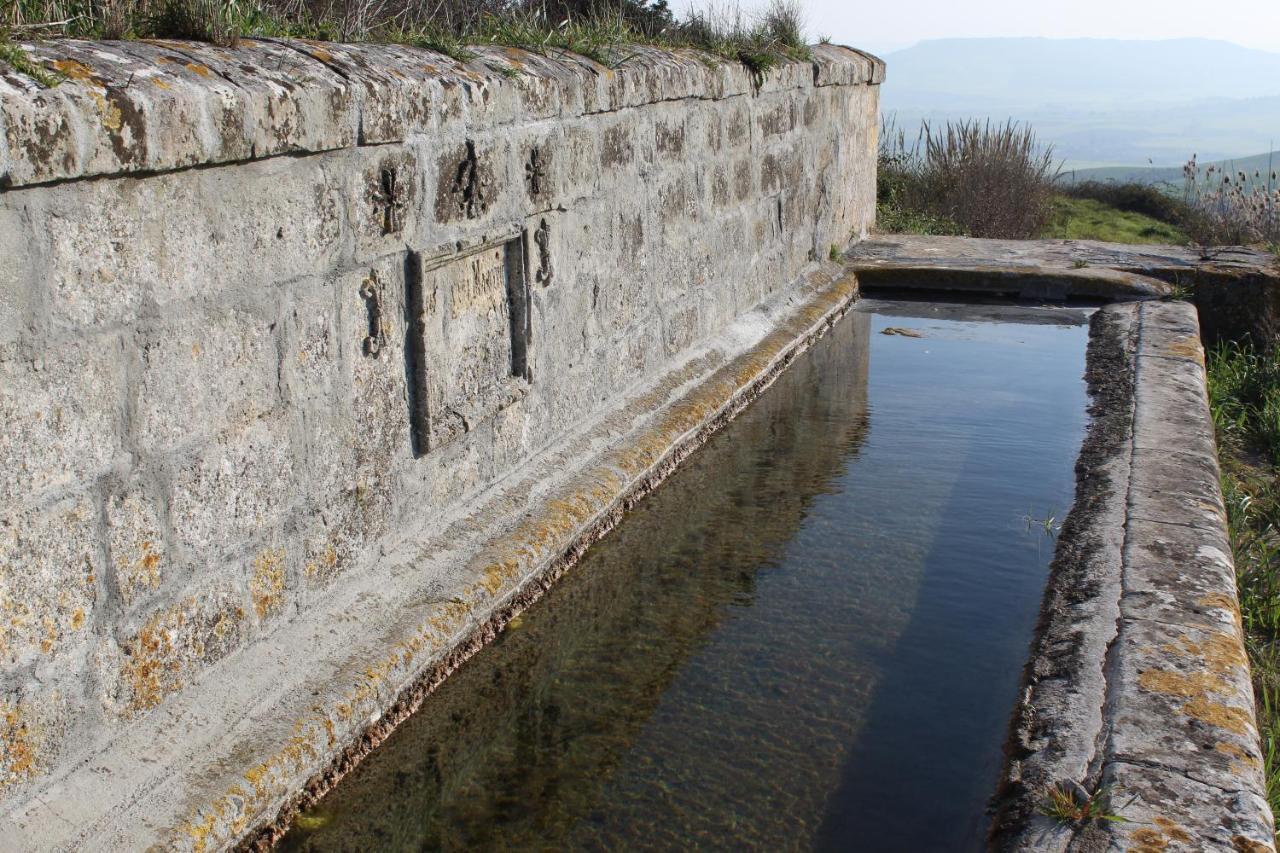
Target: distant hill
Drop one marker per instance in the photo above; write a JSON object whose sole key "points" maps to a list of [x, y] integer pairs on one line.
{"points": [[1262, 164], [1098, 101], [1099, 73]]}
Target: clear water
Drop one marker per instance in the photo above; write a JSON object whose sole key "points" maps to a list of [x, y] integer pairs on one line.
{"points": [[810, 637]]}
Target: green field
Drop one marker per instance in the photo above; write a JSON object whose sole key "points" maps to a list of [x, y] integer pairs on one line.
{"points": [[1086, 219]]}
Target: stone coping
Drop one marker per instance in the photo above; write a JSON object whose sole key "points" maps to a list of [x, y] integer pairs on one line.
{"points": [[133, 107], [228, 758], [1138, 682]]}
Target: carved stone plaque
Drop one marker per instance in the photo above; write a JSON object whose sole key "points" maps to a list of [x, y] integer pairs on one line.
{"points": [[468, 340]]}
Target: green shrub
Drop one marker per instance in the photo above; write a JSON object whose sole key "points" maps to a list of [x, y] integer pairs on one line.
{"points": [[985, 180]]}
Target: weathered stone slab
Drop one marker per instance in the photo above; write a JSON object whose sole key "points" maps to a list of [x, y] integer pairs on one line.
{"points": [[1174, 746], [52, 559], [62, 412], [1236, 289], [473, 347], [1167, 811], [228, 362], [161, 105], [1179, 574], [241, 483]]}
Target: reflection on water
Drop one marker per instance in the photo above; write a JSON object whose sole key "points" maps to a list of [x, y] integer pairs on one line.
{"points": [[810, 636]]}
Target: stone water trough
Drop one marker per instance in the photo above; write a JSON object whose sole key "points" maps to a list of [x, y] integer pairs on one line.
{"points": [[319, 363], [1138, 680]]}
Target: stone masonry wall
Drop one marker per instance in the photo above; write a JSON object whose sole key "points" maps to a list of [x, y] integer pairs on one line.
{"points": [[262, 306]]}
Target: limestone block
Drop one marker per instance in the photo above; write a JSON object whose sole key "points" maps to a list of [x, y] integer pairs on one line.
{"points": [[173, 642], [239, 484], [62, 412], [119, 249], [164, 105], [358, 450], [137, 551], [577, 175], [50, 559], [18, 249], [102, 255], [33, 724], [383, 192], [836, 65], [204, 374]]}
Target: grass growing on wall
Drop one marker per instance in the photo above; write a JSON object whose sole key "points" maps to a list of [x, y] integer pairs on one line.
{"points": [[598, 29], [1244, 396]]}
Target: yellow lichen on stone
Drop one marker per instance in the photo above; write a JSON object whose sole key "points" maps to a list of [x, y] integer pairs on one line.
{"points": [[19, 738], [1216, 714], [1148, 840], [267, 584], [1195, 687], [112, 118], [77, 71], [1187, 347], [151, 664], [1219, 651], [1179, 683], [1242, 762], [169, 642], [1223, 601], [140, 571], [1157, 836]]}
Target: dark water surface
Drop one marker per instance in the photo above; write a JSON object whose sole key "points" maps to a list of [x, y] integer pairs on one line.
{"points": [[810, 637]]}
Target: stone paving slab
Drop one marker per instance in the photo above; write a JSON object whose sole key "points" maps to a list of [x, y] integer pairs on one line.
{"points": [[1235, 289]]}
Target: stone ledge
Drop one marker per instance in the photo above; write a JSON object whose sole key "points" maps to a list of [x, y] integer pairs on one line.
{"points": [[1139, 683], [151, 106]]}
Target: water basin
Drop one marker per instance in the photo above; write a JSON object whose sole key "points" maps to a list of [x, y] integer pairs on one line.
{"points": [[810, 637]]}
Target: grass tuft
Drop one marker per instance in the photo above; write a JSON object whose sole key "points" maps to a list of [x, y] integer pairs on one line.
{"points": [[19, 60], [597, 29], [1244, 398], [1070, 803]]}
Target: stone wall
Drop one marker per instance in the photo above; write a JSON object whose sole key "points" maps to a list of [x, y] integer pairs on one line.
{"points": [[262, 308]]}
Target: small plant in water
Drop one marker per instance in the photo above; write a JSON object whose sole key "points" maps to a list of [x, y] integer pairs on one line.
{"points": [[1071, 803], [1048, 524]]}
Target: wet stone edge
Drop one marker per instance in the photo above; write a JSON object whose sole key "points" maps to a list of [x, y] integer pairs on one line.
{"points": [[1138, 688], [1057, 720]]}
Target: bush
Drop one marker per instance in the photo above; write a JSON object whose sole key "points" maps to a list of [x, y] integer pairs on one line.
{"points": [[1231, 209], [987, 180]]}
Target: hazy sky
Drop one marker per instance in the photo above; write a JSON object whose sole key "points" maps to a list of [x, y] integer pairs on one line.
{"points": [[885, 25]]}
